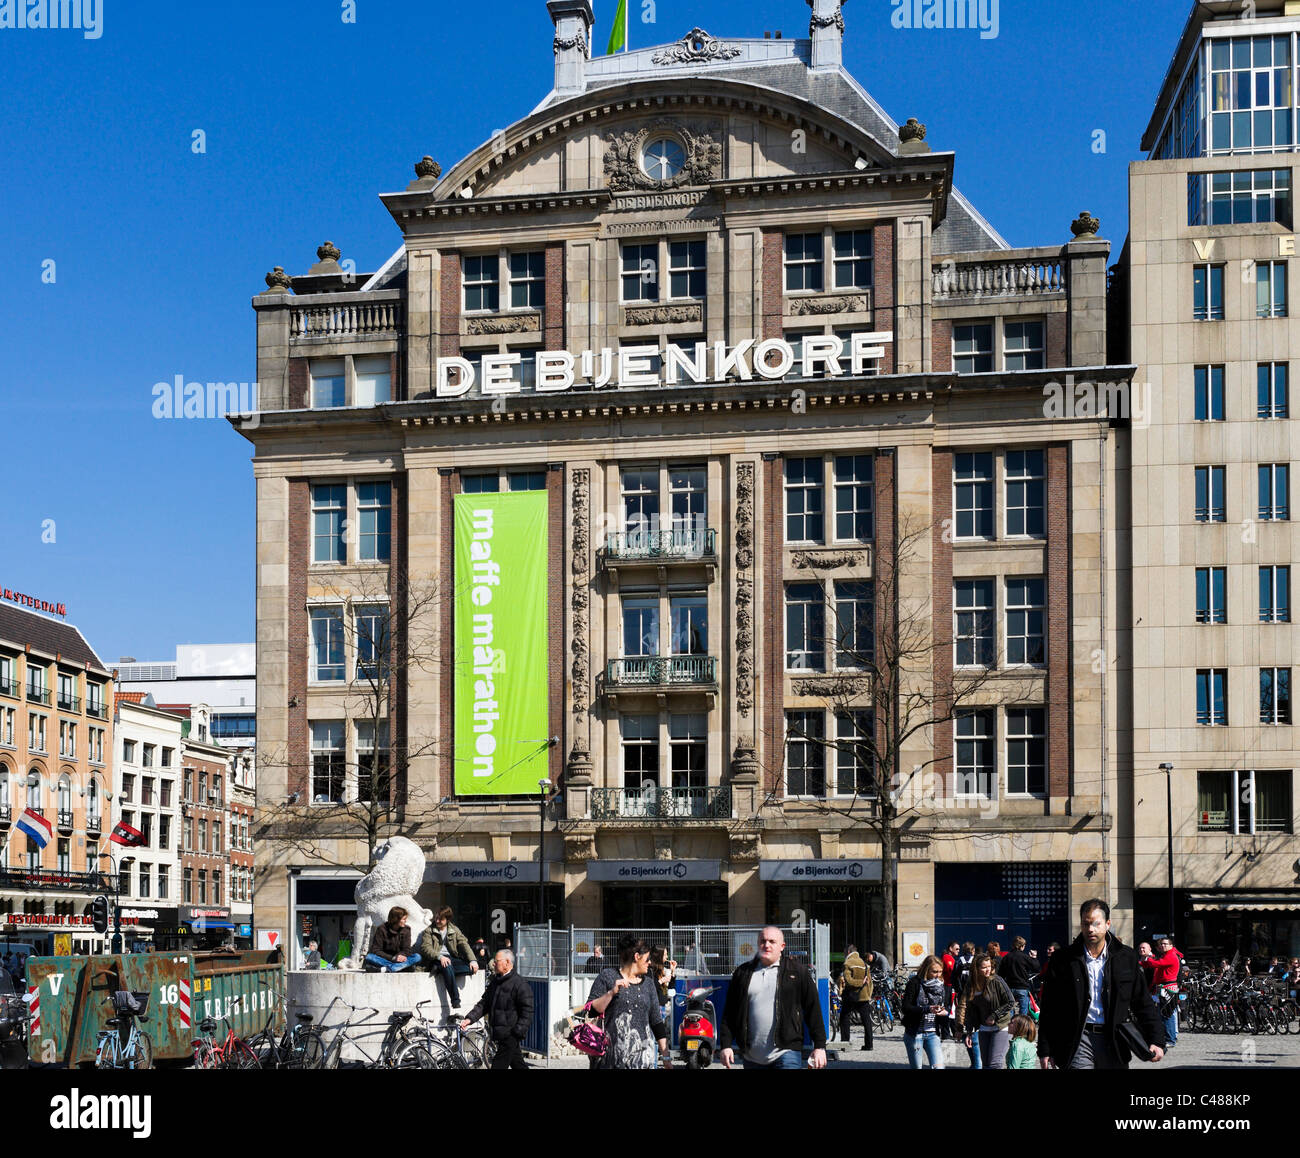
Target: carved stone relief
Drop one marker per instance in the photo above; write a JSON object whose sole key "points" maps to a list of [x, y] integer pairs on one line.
{"points": [[697, 46], [663, 315], [511, 324], [623, 157], [820, 306], [744, 588]]}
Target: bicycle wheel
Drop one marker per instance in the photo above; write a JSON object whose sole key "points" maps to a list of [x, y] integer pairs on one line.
{"points": [[241, 1057], [106, 1051], [413, 1056], [308, 1051], [332, 1056], [142, 1059], [203, 1059], [479, 1051], [1266, 1017], [1288, 1011], [263, 1048]]}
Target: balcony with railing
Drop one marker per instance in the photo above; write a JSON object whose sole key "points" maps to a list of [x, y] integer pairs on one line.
{"points": [[346, 317], [37, 695], [69, 704], [661, 674], [652, 803], [1000, 274], [6, 812], [65, 819], [9, 687], [94, 823], [96, 709], [659, 548], [35, 879]]}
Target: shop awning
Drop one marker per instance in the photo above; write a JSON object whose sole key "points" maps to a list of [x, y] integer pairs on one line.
{"points": [[1245, 902]]}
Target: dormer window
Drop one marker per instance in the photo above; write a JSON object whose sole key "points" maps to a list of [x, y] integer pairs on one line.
{"points": [[663, 158]]}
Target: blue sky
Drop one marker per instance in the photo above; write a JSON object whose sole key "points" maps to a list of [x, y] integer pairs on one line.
{"points": [[157, 249]]}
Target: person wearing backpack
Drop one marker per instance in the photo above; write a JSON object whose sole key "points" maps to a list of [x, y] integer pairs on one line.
{"points": [[856, 990]]}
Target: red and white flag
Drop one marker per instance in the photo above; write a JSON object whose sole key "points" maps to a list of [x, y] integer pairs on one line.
{"points": [[125, 834]]}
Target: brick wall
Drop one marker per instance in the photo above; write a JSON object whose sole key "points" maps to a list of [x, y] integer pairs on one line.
{"points": [[299, 741], [1059, 676], [449, 324], [941, 345], [773, 283], [1057, 338], [772, 649], [555, 616], [941, 546], [553, 315], [299, 384], [882, 291]]}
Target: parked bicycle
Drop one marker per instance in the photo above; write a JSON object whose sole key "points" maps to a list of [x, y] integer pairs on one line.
{"points": [[123, 1045], [298, 1048], [232, 1054], [399, 1049]]}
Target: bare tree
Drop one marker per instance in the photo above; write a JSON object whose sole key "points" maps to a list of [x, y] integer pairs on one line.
{"points": [[886, 701], [382, 638]]}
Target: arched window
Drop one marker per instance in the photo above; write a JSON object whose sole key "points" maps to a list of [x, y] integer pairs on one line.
{"points": [[92, 803], [34, 798], [65, 794], [6, 804]]}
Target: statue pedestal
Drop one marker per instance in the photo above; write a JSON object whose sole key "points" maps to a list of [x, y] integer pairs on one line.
{"points": [[321, 992]]}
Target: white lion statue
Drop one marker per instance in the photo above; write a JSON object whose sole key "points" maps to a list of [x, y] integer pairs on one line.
{"points": [[395, 879]]}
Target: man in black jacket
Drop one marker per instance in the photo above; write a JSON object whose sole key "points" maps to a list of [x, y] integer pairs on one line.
{"points": [[769, 1001], [1017, 970], [1091, 989], [508, 1004]]}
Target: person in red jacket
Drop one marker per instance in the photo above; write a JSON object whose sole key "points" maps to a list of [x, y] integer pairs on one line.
{"points": [[1162, 969]]}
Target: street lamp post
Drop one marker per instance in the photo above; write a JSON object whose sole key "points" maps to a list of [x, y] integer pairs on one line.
{"points": [[545, 786], [117, 902], [1168, 769]]}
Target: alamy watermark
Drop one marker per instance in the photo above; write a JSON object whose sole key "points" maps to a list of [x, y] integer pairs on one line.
{"points": [[975, 15], [181, 399], [1087, 399], [85, 16]]}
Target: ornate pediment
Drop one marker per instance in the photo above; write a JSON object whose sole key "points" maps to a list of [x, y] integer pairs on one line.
{"points": [[623, 154], [696, 47]]}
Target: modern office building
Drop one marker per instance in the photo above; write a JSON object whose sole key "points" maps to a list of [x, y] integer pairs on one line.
{"points": [[1205, 660], [56, 752], [753, 392]]}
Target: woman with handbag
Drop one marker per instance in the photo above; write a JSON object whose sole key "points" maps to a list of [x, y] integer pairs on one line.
{"points": [[627, 999], [986, 1009]]}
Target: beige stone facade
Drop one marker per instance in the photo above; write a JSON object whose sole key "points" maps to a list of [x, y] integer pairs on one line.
{"points": [[977, 341]]}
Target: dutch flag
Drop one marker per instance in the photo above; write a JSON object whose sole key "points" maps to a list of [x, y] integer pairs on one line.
{"points": [[37, 828]]}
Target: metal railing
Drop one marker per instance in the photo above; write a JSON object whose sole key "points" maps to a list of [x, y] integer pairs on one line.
{"points": [[1025, 276], [655, 803], [9, 687], [661, 546], [65, 818], [38, 695], [94, 823], [36, 878], [662, 671], [96, 710], [6, 813], [69, 704]]}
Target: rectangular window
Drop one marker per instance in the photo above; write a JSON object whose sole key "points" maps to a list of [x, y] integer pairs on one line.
{"points": [[216, 886], [1026, 481], [7, 729], [480, 484], [641, 505], [805, 754], [1212, 697], [973, 498], [164, 886], [375, 510], [329, 505], [65, 856], [146, 879], [1211, 595], [373, 765], [1026, 620], [804, 263], [327, 644], [1272, 801], [640, 626], [1209, 393], [327, 771], [688, 492], [1026, 752], [972, 348], [641, 273], [1243, 801], [1275, 594], [203, 835], [855, 506], [853, 259], [855, 633], [1207, 293], [1275, 695], [690, 624], [203, 886], [1270, 289], [373, 641], [1246, 197], [1023, 347], [1271, 389], [329, 383], [640, 736], [374, 375], [975, 758], [805, 500], [527, 280], [688, 750], [854, 754], [687, 271], [67, 692], [1274, 492], [164, 831], [1210, 506], [973, 608], [481, 275], [526, 480], [805, 627], [9, 685], [187, 886]]}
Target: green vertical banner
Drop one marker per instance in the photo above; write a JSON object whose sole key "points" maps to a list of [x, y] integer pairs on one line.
{"points": [[502, 669]]}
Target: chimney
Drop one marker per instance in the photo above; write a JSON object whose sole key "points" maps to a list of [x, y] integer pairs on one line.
{"points": [[573, 21], [827, 32]]}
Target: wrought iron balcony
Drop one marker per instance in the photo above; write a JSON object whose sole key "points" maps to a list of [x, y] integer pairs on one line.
{"points": [[661, 804], [96, 710], [38, 695], [673, 546], [94, 823], [660, 671], [65, 819], [69, 703], [6, 812], [42, 880], [9, 687]]}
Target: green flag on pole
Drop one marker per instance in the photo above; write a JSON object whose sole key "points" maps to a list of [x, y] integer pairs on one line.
{"points": [[618, 34]]}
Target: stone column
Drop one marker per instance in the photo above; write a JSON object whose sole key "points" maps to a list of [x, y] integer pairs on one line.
{"points": [[1085, 260], [573, 21], [827, 32]]}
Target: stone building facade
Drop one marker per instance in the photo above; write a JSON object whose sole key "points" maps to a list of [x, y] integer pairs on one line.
{"points": [[730, 192]]}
